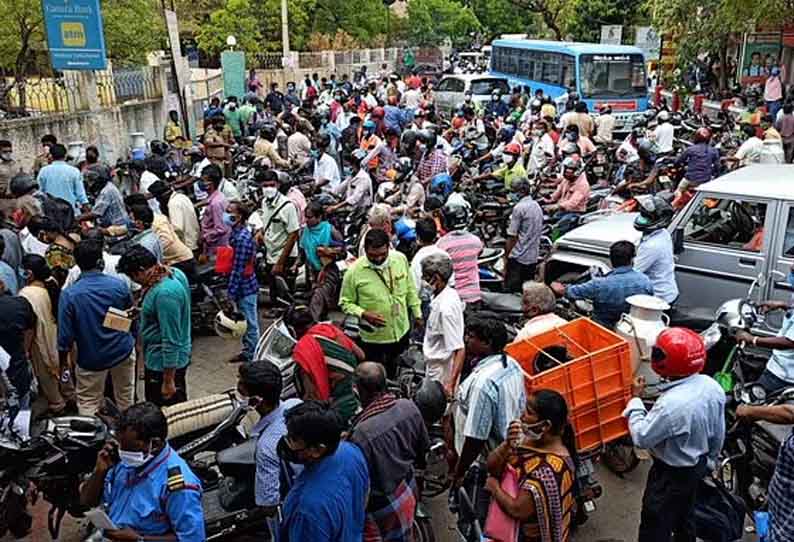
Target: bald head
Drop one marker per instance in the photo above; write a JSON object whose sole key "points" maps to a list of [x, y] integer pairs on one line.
{"points": [[370, 381]]}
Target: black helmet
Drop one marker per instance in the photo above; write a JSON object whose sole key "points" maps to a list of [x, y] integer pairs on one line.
{"points": [[646, 149], [21, 184], [159, 148], [456, 217], [268, 131], [429, 138], [431, 400], [655, 213]]}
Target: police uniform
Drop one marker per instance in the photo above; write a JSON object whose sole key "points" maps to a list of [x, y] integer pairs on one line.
{"points": [[161, 497]]}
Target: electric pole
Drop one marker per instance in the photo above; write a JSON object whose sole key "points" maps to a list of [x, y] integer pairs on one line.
{"points": [[284, 29]]}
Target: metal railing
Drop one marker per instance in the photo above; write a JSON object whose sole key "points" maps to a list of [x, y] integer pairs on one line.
{"points": [[125, 85], [39, 96], [265, 61]]}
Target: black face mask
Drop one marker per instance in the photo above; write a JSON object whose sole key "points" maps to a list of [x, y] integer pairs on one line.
{"points": [[287, 454]]}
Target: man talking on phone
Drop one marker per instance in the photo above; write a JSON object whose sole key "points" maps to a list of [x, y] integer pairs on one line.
{"points": [[147, 490]]}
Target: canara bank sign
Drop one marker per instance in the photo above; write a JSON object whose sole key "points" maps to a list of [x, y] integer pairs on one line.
{"points": [[75, 36]]}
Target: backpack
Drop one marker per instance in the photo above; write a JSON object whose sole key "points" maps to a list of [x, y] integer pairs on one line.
{"points": [[59, 210]]}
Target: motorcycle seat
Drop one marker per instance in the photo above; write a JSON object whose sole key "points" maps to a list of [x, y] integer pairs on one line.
{"points": [[206, 271], [488, 253], [244, 454], [197, 414], [499, 302]]}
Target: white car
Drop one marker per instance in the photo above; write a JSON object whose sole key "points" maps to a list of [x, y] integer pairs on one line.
{"points": [[450, 90]]}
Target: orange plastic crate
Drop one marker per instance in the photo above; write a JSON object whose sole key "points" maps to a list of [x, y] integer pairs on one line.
{"points": [[596, 383]]}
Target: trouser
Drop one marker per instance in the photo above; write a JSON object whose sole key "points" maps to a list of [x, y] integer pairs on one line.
{"points": [[248, 307], [773, 107], [271, 277], [772, 383], [788, 149], [387, 354], [91, 386], [668, 502], [51, 387], [517, 274], [153, 387]]}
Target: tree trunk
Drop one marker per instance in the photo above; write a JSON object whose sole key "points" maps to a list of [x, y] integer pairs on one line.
{"points": [[723, 79]]}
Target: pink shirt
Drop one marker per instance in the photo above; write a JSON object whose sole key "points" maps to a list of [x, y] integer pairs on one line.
{"points": [[773, 89], [572, 196], [464, 248]]}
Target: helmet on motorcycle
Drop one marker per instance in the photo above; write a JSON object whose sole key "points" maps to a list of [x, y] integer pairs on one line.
{"points": [[268, 131], [572, 166], [456, 217], [357, 156], [506, 133], [403, 168], [569, 149], [21, 184], [646, 149], [159, 148], [231, 325], [655, 213], [442, 185], [513, 148], [431, 400], [678, 352], [378, 113], [702, 135], [429, 138]]}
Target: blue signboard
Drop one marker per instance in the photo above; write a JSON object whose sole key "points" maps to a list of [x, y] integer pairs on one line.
{"points": [[75, 35]]}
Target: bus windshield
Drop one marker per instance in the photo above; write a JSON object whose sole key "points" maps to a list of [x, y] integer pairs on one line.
{"points": [[612, 76]]}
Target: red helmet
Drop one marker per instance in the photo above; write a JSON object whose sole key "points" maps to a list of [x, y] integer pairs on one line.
{"points": [[378, 113], [702, 135], [513, 148], [678, 352]]}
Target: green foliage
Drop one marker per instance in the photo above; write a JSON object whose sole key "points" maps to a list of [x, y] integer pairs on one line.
{"points": [[235, 19], [431, 21], [132, 29], [23, 34], [268, 15], [588, 16], [501, 17], [365, 20]]}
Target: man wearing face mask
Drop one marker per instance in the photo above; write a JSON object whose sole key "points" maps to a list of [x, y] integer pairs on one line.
{"points": [[143, 217], [572, 135], [214, 232], [277, 225], [512, 166], [569, 201], [543, 148], [164, 325], [327, 503], [356, 189], [443, 345], [379, 288], [243, 286], [523, 238], [109, 209], [146, 489], [496, 108], [260, 383]]}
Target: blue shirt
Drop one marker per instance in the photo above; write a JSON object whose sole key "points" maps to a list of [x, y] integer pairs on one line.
{"points": [[702, 163], [109, 207], [9, 278], [395, 117], [327, 502], [686, 423], [781, 496], [162, 496], [269, 431], [609, 293], [61, 180], [240, 284], [781, 362], [655, 259], [81, 313]]}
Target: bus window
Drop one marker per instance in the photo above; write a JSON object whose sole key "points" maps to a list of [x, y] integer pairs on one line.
{"points": [[568, 72], [603, 76], [551, 68]]}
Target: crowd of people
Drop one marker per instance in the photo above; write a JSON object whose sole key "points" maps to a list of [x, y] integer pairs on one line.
{"points": [[342, 461]]}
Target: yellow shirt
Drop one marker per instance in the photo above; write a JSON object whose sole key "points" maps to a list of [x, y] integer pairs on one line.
{"points": [[174, 250]]}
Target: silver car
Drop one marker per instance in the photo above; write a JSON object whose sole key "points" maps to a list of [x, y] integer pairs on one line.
{"points": [[737, 231], [450, 90]]}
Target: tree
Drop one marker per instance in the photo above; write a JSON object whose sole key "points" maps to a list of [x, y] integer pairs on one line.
{"points": [[23, 36], [236, 19], [365, 20], [431, 21], [553, 13], [500, 17], [587, 17], [133, 28]]}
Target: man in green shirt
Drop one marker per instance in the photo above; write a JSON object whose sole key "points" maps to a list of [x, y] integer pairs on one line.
{"points": [[164, 325], [233, 118], [379, 289], [247, 111], [512, 166]]}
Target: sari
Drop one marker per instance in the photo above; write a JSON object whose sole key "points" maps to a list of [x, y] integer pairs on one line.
{"points": [[312, 238], [326, 355], [549, 479]]}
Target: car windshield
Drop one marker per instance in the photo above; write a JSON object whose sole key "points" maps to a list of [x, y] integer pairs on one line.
{"points": [[482, 87], [606, 76]]}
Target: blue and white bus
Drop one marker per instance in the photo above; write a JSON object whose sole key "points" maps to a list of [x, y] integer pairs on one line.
{"points": [[613, 74]]}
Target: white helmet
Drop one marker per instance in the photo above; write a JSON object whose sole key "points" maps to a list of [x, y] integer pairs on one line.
{"points": [[663, 116], [230, 327]]}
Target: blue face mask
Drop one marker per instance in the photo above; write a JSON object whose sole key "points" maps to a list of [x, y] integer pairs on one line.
{"points": [[228, 219], [790, 278]]}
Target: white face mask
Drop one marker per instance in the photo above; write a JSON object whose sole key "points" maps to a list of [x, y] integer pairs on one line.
{"points": [[508, 158], [269, 192], [135, 459], [380, 266]]}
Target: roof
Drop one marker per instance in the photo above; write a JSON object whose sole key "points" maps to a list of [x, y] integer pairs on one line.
{"points": [[770, 181], [472, 76], [602, 233], [571, 46]]}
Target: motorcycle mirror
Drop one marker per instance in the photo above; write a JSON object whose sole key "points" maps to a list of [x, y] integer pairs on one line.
{"points": [[785, 396], [711, 336]]}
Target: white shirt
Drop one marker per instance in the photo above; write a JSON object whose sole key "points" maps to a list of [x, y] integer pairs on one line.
{"points": [[413, 98], [416, 264], [664, 134], [443, 334], [183, 217], [542, 152], [147, 179], [111, 261], [30, 244], [229, 190], [750, 151], [327, 168]]}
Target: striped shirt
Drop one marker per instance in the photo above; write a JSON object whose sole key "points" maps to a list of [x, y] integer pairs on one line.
{"points": [[491, 397], [781, 499], [464, 248], [268, 431]]}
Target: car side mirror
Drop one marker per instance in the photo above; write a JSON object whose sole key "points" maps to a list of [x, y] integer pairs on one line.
{"points": [[678, 241]]}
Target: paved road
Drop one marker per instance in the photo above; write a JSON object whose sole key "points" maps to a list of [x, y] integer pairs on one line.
{"points": [[616, 518]]}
